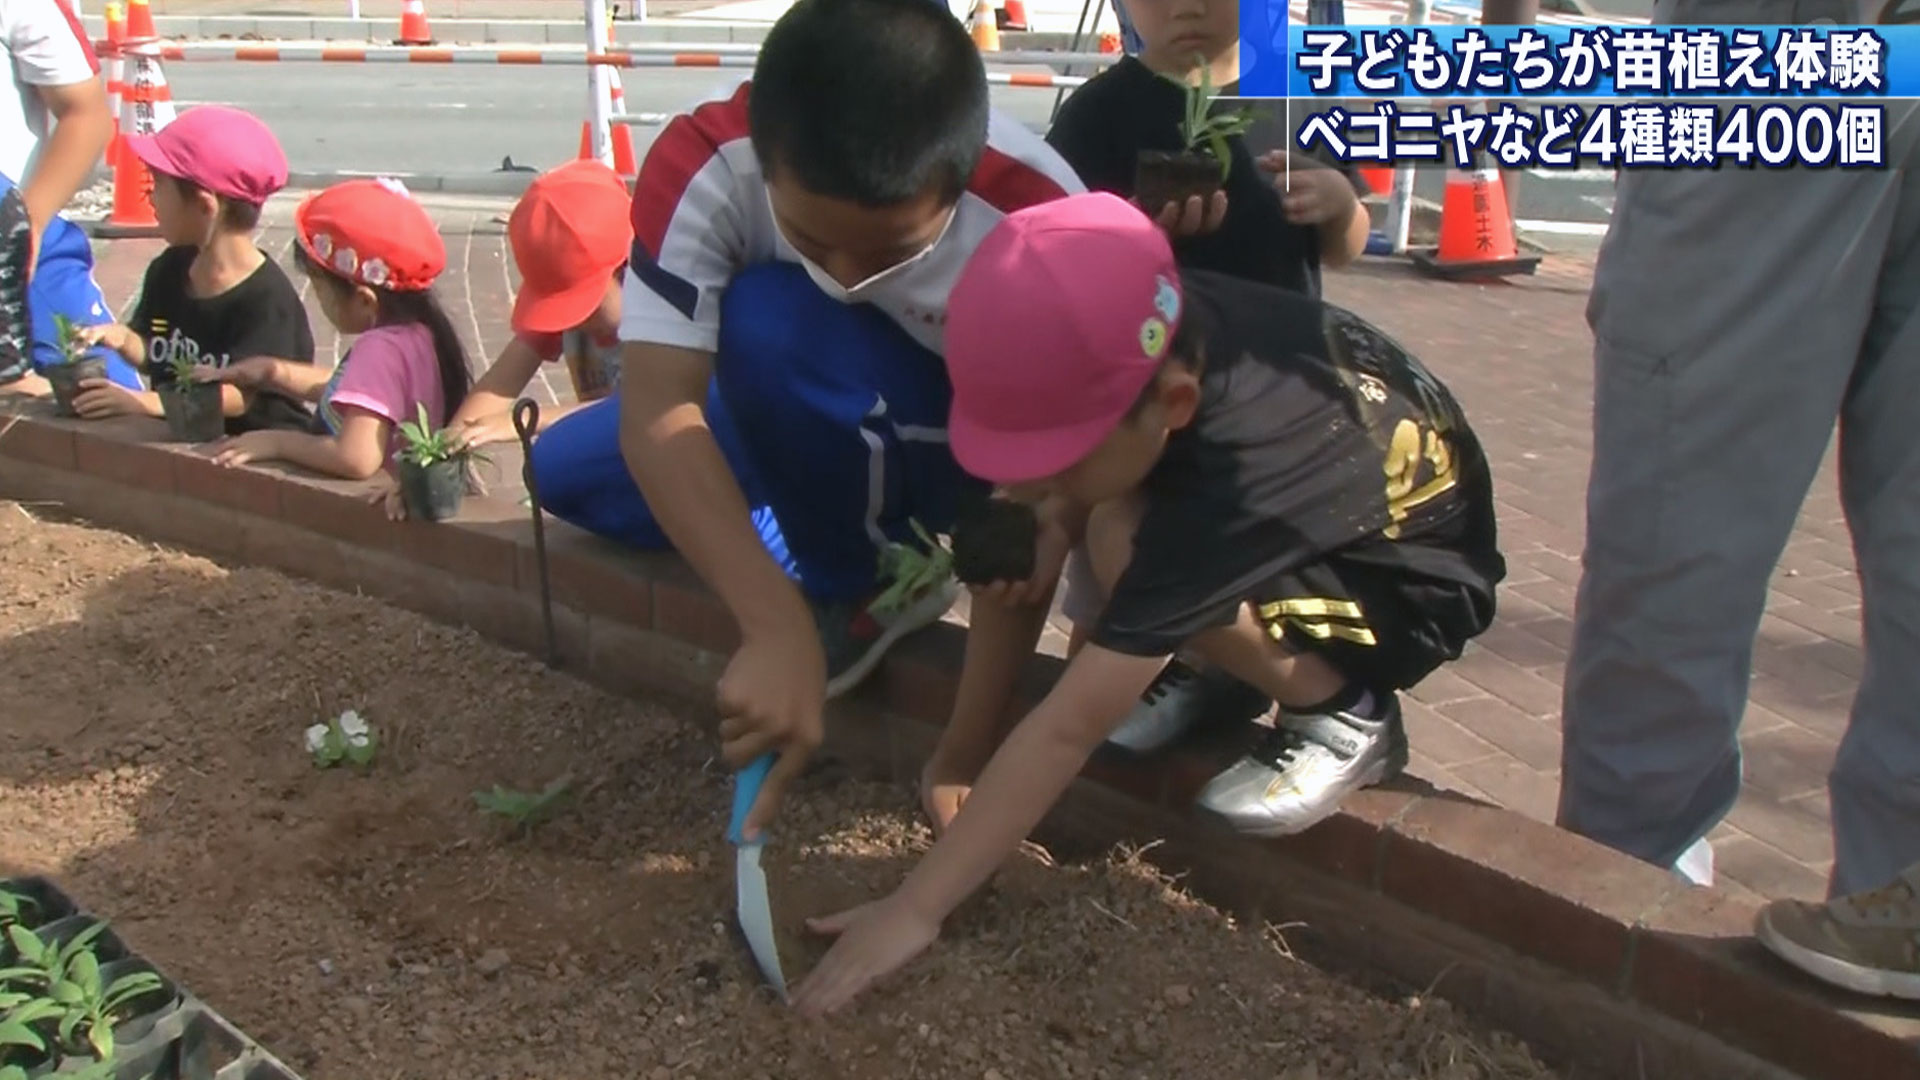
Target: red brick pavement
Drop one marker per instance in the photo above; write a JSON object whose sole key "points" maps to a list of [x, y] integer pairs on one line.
{"points": [[1518, 355]]}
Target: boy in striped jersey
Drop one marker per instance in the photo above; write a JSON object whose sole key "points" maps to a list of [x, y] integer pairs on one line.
{"points": [[783, 402]]}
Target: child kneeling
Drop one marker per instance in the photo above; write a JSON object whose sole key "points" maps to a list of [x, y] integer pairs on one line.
{"points": [[372, 254], [1260, 477]]}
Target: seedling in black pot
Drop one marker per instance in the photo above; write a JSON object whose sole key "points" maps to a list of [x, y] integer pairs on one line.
{"points": [[994, 541], [76, 365], [1202, 167], [433, 473], [193, 409]]}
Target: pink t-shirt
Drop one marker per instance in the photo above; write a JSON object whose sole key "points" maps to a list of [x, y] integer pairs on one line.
{"points": [[390, 372]]}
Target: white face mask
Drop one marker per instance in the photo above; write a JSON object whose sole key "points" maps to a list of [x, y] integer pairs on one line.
{"points": [[850, 293]]}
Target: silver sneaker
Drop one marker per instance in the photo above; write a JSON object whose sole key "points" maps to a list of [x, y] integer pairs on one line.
{"points": [[1298, 773], [1181, 699]]}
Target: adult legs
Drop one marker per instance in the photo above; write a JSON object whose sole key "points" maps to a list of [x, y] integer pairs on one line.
{"points": [[1728, 311], [1875, 787]]}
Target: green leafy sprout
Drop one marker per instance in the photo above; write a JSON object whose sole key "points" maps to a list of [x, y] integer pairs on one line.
{"points": [[346, 738], [1207, 130], [63, 986], [182, 366], [911, 570], [16, 908], [72, 349], [426, 446], [524, 809]]}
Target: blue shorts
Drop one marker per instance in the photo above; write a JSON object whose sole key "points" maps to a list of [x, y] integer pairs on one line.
{"points": [[63, 285], [832, 418]]}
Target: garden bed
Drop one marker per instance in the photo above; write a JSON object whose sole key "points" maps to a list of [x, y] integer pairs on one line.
{"points": [[377, 923]]}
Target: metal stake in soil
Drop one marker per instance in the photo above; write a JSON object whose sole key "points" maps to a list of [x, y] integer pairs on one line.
{"points": [[526, 421]]}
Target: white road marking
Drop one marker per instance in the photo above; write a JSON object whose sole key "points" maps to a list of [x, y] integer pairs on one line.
{"points": [[1602, 175], [1562, 228], [181, 103]]}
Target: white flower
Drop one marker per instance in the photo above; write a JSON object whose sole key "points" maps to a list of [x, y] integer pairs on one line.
{"points": [[374, 272], [346, 261], [316, 738], [352, 728], [323, 246]]}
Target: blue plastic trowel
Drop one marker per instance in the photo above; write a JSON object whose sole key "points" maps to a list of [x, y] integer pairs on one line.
{"points": [[755, 911]]}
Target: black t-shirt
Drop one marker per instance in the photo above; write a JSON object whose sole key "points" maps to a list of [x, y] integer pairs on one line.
{"points": [[261, 316], [1127, 108], [1316, 433]]}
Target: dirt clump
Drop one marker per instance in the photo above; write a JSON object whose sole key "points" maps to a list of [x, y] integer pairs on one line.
{"points": [[375, 923]]}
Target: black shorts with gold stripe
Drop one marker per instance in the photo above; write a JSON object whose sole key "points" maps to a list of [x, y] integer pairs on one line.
{"points": [[1382, 622]]}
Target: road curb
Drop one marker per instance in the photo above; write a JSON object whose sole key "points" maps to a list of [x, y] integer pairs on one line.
{"points": [[693, 32]]}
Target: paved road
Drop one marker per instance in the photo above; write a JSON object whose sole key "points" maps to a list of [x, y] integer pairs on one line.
{"points": [[461, 120]]}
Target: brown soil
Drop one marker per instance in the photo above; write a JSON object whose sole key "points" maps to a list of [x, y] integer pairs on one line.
{"points": [[374, 926]]}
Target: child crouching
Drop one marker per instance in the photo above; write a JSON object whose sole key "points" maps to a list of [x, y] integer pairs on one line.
{"points": [[1260, 477], [372, 254]]}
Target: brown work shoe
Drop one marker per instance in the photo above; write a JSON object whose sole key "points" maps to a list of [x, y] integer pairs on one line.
{"points": [[1868, 942]]}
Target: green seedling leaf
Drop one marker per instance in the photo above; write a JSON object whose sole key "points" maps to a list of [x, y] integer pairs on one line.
{"points": [[15, 907], [12, 1072], [1205, 130], [27, 944], [912, 570], [426, 446], [100, 1037], [72, 349], [67, 993], [524, 809]]}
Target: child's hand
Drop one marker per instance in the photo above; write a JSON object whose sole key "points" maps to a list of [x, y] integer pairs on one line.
{"points": [[387, 495], [483, 431], [876, 940], [1314, 194], [100, 399], [247, 447], [1195, 217], [253, 373], [115, 336]]}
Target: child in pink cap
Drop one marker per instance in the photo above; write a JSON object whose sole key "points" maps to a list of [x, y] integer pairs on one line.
{"points": [[213, 296], [1259, 476]]}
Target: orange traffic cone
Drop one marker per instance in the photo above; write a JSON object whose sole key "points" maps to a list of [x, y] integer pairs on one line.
{"points": [[1476, 234], [1014, 15], [1109, 42], [146, 108], [413, 24], [140, 21], [986, 32], [1379, 181], [625, 163], [115, 65]]}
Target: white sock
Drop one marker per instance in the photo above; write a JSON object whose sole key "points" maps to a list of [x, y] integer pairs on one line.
{"points": [[1364, 708]]}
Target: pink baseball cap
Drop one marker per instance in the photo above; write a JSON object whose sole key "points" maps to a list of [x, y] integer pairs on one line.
{"points": [[1058, 322], [225, 151]]}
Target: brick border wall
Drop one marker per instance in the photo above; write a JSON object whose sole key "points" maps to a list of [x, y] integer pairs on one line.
{"points": [[1598, 959]]}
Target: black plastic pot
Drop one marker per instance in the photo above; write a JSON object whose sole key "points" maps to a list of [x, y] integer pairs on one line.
{"points": [[49, 904], [433, 492], [206, 1047], [66, 379], [1161, 178], [145, 1012], [193, 412], [993, 540]]}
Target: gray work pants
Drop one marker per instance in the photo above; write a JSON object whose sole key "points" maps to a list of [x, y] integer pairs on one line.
{"points": [[1737, 314]]}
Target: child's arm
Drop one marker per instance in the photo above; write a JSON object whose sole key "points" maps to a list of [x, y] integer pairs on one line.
{"points": [[486, 416], [356, 453], [1039, 759], [302, 382]]}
